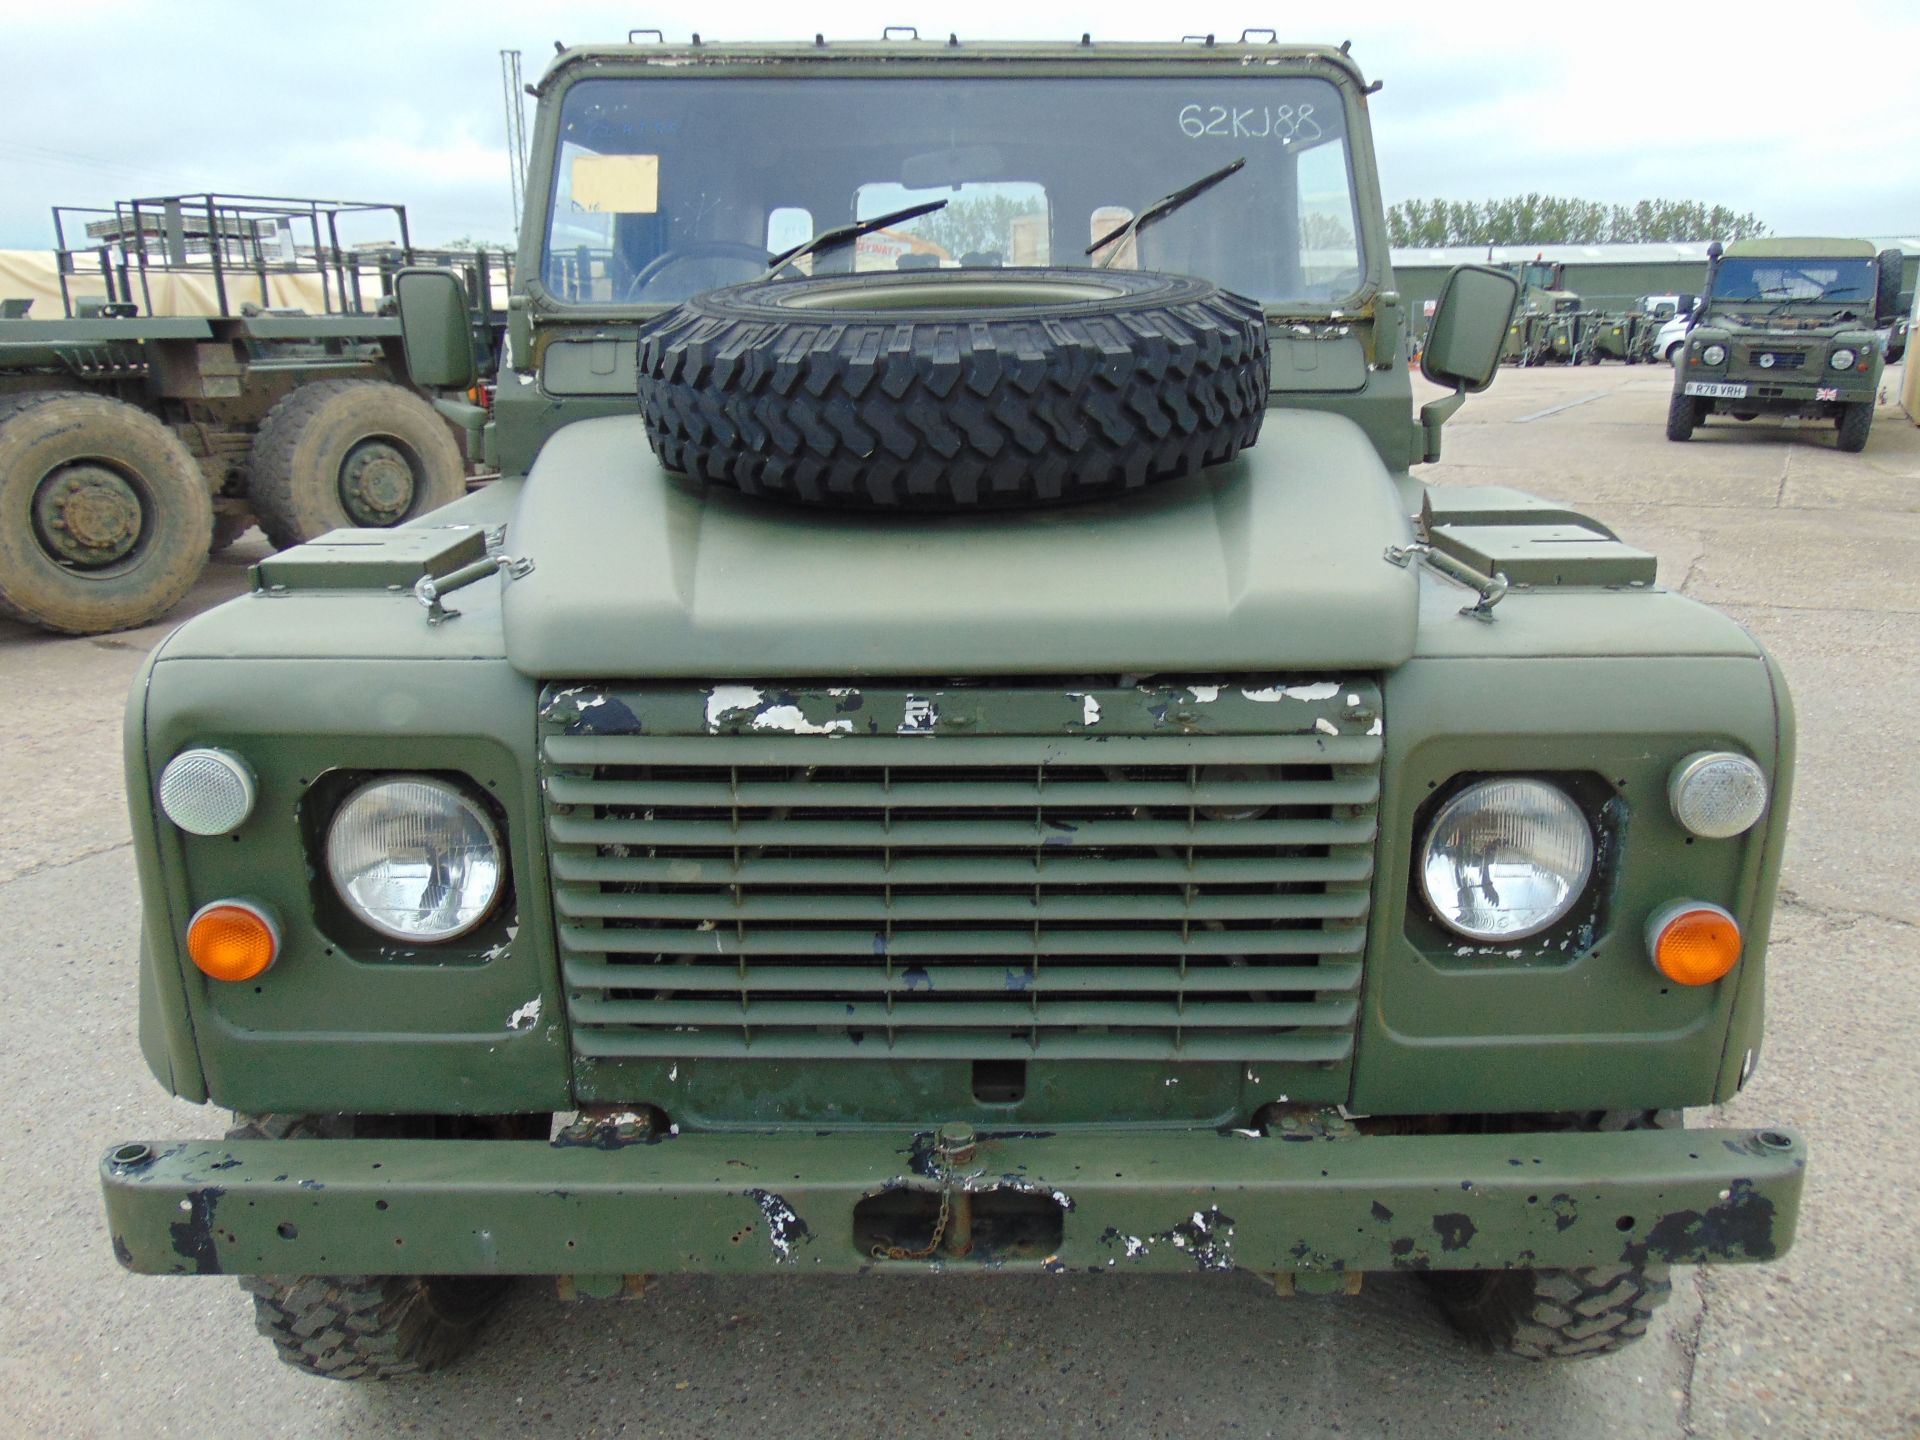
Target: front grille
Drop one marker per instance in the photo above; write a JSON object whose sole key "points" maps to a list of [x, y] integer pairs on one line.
{"points": [[1151, 872], [1782, 359]]}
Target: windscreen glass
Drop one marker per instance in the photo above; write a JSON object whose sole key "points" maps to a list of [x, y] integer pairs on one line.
{"points": [[1758, 279], [666, 187]]}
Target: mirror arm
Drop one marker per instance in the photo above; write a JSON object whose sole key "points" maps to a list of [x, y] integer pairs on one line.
{"points": [[470, 418], [1435, 414]]}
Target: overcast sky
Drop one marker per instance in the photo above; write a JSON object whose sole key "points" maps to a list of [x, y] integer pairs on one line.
{"points": [[1807, 115]]}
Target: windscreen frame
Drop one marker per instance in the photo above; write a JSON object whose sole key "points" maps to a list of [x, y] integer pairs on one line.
{"points": [[544, 181]]}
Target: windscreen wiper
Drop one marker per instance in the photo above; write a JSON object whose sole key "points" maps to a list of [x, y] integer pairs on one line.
{"points": [[841, 234], [1160, 209]]}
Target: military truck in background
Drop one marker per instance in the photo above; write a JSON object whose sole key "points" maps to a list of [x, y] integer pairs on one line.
{"points": [[1634, 335], [218, 361], [1549, 324], [939, 768], [1789, 327]]}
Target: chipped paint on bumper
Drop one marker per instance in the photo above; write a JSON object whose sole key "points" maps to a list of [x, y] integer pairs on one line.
{"points": [[741, 1202]]}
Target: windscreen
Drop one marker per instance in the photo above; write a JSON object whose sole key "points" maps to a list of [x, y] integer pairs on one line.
{"points": [[1738, 280], [666, 187]]}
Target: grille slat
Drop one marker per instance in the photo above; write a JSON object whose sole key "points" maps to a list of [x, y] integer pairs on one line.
{"points": [[915, 944], [1024, 751], [1111, 872], [724, 909], [1340, 864], [804, 834], [1236, 1046], [1069, 790], [945, 1014], [864, 980]]}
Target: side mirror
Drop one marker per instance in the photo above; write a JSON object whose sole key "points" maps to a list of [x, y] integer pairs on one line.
{"points": [[1688, 304], [1465, 341], [436, 328], [1470, 319], [1886, 299]]}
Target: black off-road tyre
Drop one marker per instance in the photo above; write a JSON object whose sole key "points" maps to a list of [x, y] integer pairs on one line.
{"points": [[1683, 415], [105, 517], [1552, 1314], [340, 454], [954, 389], [1853, 425], [363, 1327]]}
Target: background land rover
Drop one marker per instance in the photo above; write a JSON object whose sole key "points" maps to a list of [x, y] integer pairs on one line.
{"points": [[1312, 873], [1790, 327]]}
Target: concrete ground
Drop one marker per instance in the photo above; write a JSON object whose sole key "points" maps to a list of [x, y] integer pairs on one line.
{"points": [[1812, 549]]}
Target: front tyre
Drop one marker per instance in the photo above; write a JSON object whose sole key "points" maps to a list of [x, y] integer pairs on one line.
{"points": [[1854, 423], [372, 1327], [1683, 414], [1552, 1314], [364, 1327]]}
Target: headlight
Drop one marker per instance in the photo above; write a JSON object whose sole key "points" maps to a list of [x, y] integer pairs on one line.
{"points": [[414, 858], [1714, 355], [1506, 858], [1843, 358], [1717, 794]]}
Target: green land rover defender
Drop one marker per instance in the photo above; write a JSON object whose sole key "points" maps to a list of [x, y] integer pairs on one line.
{"points": [[961, 742], [1787, 327]]}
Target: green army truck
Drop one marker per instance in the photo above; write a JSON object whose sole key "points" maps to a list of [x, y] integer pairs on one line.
{"points": [[1787, 327], [216, 361], [1548, 324], [961, 743]]}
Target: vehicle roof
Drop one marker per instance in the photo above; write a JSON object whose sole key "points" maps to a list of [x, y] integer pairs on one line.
{"points": [[1801, 247], [953, 51]]}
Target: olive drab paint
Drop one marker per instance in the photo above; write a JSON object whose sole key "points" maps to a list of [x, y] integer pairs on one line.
{"points": [[1034, 889]]}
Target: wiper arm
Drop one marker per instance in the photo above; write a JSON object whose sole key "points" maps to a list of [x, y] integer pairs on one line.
{"points": [[841, 234], [1160, 209]]}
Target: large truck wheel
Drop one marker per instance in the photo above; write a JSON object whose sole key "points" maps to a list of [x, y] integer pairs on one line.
{"points": [[105, 518], [1552, 1314], [1683, 414], [340, 454], [364, 1327], [1854, 424]]}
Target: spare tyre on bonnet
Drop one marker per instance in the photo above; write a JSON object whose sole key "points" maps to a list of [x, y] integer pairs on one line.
{"points": [[945, 389]]}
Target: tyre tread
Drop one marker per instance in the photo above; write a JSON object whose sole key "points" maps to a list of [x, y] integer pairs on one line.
{"points": [[356, 1327], [954, 413], [1554, 1314], [276, 488]]}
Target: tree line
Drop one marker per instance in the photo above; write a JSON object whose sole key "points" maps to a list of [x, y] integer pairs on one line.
{"points": [[1536, 219]]}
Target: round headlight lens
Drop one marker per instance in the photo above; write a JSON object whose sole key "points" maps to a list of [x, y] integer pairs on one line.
{"points": [[413, 858], [1843, 358], [1506, 858], [207, 792], [1717, 794], [1714, 354]]}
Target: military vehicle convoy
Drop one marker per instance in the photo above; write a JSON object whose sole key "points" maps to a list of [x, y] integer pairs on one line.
{"points": [[221, 361], [1550, 323], [994, 763], [1787, 327]]}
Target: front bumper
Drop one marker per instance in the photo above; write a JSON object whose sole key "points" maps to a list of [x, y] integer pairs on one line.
{"points": [[1090, 1200]]}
